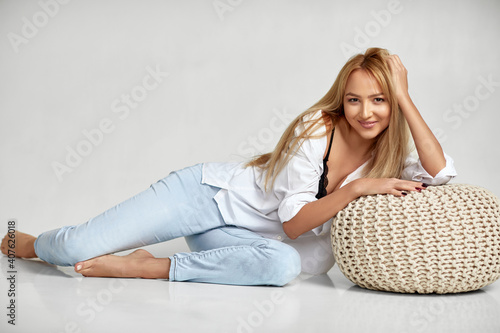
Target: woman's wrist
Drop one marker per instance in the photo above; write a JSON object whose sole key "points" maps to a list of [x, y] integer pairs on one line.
{"points": [[405, 102], [356, 188]]}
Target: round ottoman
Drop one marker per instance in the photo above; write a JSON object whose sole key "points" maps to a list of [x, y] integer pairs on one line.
{"points": [[445, 239]]}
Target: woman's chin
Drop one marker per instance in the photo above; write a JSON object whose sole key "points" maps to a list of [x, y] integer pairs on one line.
{"points": [[368, 134]]}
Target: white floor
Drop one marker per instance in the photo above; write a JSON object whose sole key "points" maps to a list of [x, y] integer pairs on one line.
{"points": [[55, 299]]}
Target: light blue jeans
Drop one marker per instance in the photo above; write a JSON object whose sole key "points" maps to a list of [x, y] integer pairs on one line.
{"points": [[177, 206]]}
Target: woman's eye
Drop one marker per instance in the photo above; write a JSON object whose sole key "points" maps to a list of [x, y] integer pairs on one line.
{"points": [[379, 99], [352, 100]]}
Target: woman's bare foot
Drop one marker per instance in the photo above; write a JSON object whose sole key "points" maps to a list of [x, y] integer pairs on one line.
{"points": [[139, 263], [21, 244]]}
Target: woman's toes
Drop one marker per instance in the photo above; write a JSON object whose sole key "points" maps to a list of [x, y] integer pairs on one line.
{"points": [[78, 267], [86, 267], [104, 266], [131, 265], [81, 267]]}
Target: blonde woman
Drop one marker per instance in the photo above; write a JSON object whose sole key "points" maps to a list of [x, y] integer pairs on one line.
{"points": [[265, 221]]}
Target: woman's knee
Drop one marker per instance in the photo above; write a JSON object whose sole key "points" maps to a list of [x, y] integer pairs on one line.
{"points": [[282, 264]]}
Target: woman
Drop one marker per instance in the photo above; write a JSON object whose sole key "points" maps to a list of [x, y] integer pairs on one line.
{"points": [[265, 221]]}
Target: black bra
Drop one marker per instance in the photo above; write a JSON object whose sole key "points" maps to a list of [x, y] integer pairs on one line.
{"points": [[323, 181]]}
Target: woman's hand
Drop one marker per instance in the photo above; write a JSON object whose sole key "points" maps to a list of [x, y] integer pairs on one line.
{"points": [[399, 77], [394, 186]]}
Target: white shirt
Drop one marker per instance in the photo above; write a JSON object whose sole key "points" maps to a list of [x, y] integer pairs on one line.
{"points": [[243, 202]]}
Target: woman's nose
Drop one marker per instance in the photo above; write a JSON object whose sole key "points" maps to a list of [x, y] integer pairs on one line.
{"points": [[366, 112]]}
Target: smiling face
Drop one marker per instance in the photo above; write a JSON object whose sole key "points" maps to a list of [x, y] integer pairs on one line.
{"points": [[366, 108]]}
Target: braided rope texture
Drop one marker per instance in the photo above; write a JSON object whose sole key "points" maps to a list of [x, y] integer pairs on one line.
{"points": [[444, 239]]}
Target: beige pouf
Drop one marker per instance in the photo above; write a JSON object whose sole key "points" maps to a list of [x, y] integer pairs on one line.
{"points": [[445, 239]]}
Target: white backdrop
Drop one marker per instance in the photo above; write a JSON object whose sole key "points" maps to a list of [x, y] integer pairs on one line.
{"points": [[99, 99]]}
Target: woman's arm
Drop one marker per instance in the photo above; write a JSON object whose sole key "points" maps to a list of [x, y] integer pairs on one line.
{"points": [[428, 148], [316, 213]]}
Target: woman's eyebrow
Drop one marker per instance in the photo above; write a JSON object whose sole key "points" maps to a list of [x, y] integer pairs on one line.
{"points": [[373, 95]]}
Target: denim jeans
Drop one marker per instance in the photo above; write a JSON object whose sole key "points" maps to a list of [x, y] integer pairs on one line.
{"points": [[177, 206]]}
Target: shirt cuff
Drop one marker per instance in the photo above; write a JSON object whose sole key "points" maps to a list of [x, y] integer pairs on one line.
{"points": [[291, 206], [416, 172]]}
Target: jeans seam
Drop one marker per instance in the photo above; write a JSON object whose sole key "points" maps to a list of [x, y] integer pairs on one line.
{"points": [[209, 252], [173, 268], [261, 239]]}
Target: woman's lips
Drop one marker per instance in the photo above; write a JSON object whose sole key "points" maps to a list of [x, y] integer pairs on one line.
{"points": [[367, 124]]}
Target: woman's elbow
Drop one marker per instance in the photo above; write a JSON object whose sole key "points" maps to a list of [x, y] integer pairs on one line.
{"points": [[288, 229], [434, 170]]}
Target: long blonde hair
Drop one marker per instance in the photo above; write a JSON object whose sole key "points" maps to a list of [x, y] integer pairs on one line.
{"points": [[391, 146]]}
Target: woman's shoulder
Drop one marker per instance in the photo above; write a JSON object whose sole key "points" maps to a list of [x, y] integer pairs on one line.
{"points": [[313, 115], [313, 145], [318, 119]]}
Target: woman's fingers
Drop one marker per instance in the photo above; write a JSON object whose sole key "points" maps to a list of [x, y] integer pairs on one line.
{"points": [[395, 62], [398, 193], [407, 186], [368, 186], [399, 75]]}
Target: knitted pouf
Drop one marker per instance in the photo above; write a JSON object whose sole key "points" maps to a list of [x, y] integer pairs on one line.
{"points": [[445, 239]]}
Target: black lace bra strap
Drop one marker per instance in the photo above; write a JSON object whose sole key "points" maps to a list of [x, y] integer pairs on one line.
{"points": [[323, 181], [329, 147]]}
